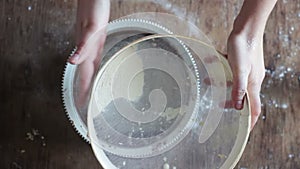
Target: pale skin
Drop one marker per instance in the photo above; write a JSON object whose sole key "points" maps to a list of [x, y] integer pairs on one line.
{"points": [[244, 47], [245, 53], [92, 18]]}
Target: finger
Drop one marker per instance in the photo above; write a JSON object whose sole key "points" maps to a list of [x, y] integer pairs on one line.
{"points": [[213, 58], [74, 58], [91, 43], [209, 81], [255, 103], [212, 82], [239, 87], [223, 55], [86, 73], [226, 104], [80, 54], [210, 59]]}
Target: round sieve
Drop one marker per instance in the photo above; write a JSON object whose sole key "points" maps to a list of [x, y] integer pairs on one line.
{"points": [[119, 34], [214, 139]]}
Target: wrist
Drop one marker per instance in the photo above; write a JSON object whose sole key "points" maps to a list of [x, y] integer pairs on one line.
{"points": [[253, 17], [250, 27], [247, 32]]}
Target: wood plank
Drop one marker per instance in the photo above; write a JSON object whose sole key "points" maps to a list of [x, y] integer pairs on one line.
{"points": [[37, 36]]}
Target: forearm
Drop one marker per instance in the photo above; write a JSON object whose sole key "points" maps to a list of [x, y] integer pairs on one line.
{"points": [[93, 12], [253, 17]]}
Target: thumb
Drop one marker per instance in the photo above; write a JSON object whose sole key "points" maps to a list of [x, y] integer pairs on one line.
{"points": [[92, 38], [239, 88], [85, 75]]}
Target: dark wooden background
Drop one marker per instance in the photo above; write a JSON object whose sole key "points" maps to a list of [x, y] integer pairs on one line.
{"points": [[36, 37]]}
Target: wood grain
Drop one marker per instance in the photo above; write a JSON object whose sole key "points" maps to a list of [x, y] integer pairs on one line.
{"points": [[37, 36]]}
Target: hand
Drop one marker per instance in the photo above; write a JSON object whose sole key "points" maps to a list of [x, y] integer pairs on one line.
{"points": [[245, 53], [245, 56], [92, 18]]}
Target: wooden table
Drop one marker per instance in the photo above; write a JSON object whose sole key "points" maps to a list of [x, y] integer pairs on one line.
{"points": [[37, 36]]}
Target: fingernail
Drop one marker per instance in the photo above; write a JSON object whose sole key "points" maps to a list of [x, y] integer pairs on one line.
{"points": [[239, 105], [73, 58]]}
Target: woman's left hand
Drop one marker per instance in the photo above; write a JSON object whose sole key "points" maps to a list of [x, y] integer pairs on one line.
{"points": [[92, 18]]}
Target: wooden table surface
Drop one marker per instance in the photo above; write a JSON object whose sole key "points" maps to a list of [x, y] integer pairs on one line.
{"points": [[37, 36]]}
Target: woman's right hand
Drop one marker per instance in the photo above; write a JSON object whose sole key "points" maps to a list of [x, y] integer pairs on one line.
{"points": [[246, 59], [245, 54]]}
